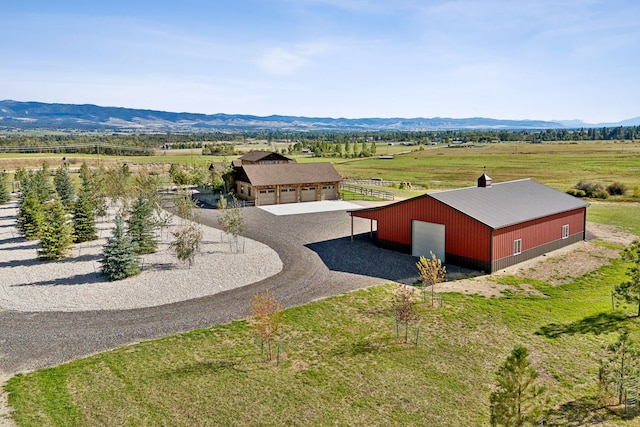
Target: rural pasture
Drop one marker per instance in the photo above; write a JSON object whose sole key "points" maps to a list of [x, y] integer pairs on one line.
{"points": [[339, 361]]}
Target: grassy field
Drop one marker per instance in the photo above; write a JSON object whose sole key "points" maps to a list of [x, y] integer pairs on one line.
{"points": [[624, 215], [558, 165], [341, 365]]}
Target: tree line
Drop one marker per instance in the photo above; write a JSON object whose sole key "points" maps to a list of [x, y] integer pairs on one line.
{"points": [[91, 143]]}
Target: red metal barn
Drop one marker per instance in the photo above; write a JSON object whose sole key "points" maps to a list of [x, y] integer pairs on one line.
{"points": [[488, 227]]}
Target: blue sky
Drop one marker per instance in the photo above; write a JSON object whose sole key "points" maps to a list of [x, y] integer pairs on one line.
{"points": [[505, 59]]}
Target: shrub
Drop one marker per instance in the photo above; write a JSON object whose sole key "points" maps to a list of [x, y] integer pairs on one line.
{"points": [[592, 189], [617, 189], [600, 193], [576, 193], [636, 193]]}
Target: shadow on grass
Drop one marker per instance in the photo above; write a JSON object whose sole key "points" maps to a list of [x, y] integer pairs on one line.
{"points": [[597, 324], [589, 410]]}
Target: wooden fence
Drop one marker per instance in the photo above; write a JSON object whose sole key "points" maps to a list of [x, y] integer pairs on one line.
{"points": [[358, 193]]}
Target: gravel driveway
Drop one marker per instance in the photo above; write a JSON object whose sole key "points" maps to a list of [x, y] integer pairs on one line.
{"points": [[318, 261]]}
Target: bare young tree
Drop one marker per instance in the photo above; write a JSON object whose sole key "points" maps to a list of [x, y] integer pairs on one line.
{"points": [[432, 272], [233, 223], [404, 306], [266, 317]]}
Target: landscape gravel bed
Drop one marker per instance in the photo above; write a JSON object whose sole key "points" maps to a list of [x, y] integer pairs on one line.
{"points": [[75, 283]]}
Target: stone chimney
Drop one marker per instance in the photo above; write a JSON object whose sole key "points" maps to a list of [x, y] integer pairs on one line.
{"points": [[484, 181]]}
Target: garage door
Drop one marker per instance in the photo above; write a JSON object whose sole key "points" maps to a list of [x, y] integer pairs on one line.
{"points": [[267, 197], [426, 237], [288, 195], [308, 194], [328, 192]]}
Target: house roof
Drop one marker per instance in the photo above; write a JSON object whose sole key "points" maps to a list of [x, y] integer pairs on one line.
{"points": [[256, 156], [291, 173], [507, 203]]}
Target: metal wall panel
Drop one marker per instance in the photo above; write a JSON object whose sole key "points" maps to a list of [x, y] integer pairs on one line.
{"points": [[537, 233], [465, 237]]}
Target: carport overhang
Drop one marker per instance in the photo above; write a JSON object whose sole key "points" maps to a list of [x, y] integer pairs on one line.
{"points": [[369, 214]]}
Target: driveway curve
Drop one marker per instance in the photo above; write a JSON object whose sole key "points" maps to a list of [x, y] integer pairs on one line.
{"points": [[319, 260]]}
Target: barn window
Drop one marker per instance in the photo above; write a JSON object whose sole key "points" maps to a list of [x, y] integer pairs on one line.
{"points": [[517, 246], [565, 231]]}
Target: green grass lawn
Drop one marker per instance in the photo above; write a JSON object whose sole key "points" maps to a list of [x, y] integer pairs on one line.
{"points": [[624, 215]]}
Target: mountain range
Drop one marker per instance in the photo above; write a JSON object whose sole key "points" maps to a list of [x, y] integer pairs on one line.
{"points": [[16, 115]]}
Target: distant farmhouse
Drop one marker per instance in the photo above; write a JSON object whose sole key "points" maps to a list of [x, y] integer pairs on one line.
{"points": [[488, 227], [268, 178]]}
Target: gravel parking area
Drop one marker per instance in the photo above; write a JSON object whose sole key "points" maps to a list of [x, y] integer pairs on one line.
{"points": [[75, 284]]}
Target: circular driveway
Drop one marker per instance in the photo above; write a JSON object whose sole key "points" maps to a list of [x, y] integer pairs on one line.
{"points": [[319, 260]]}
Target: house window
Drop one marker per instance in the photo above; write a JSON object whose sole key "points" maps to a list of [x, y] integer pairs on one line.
{"points": [[249, 191], [565, 231], [242, 189], [517, 246]]}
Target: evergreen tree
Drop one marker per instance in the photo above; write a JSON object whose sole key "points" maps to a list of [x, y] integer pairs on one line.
{"points": [[64, 187], [516, 400], [120, 259], [93, 185], [84, 222], [56, 234], [4, 191], [40, 185], [621, 367], [629, 290], [141, 226], [30, 216]]}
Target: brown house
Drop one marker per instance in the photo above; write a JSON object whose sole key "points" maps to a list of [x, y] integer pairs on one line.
{"points": [[267, 178], [488, 227]]}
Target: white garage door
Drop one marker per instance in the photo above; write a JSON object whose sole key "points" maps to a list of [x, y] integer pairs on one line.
{"points": [[267, 197], [308, 194], [425, 237], [328, 192], [288, 195]]}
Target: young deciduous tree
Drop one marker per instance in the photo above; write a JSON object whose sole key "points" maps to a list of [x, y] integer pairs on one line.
{"points": [[187, 242], [517, 400], [120, 259], [621, 365], [56, 233], [432, 272], [141, 226], [233, 223], [404, 306], [629, 290], [266, 318], [64, 187]]}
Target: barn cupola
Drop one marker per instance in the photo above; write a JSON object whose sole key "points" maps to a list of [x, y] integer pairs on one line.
{"points": [[484, 181]]}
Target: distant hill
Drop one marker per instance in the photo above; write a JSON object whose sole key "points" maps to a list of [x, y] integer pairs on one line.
{"points": [[36, 115]]}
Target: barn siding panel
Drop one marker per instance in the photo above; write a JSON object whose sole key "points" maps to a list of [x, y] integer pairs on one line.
{"points": [[465, 237], [537, 233]]}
